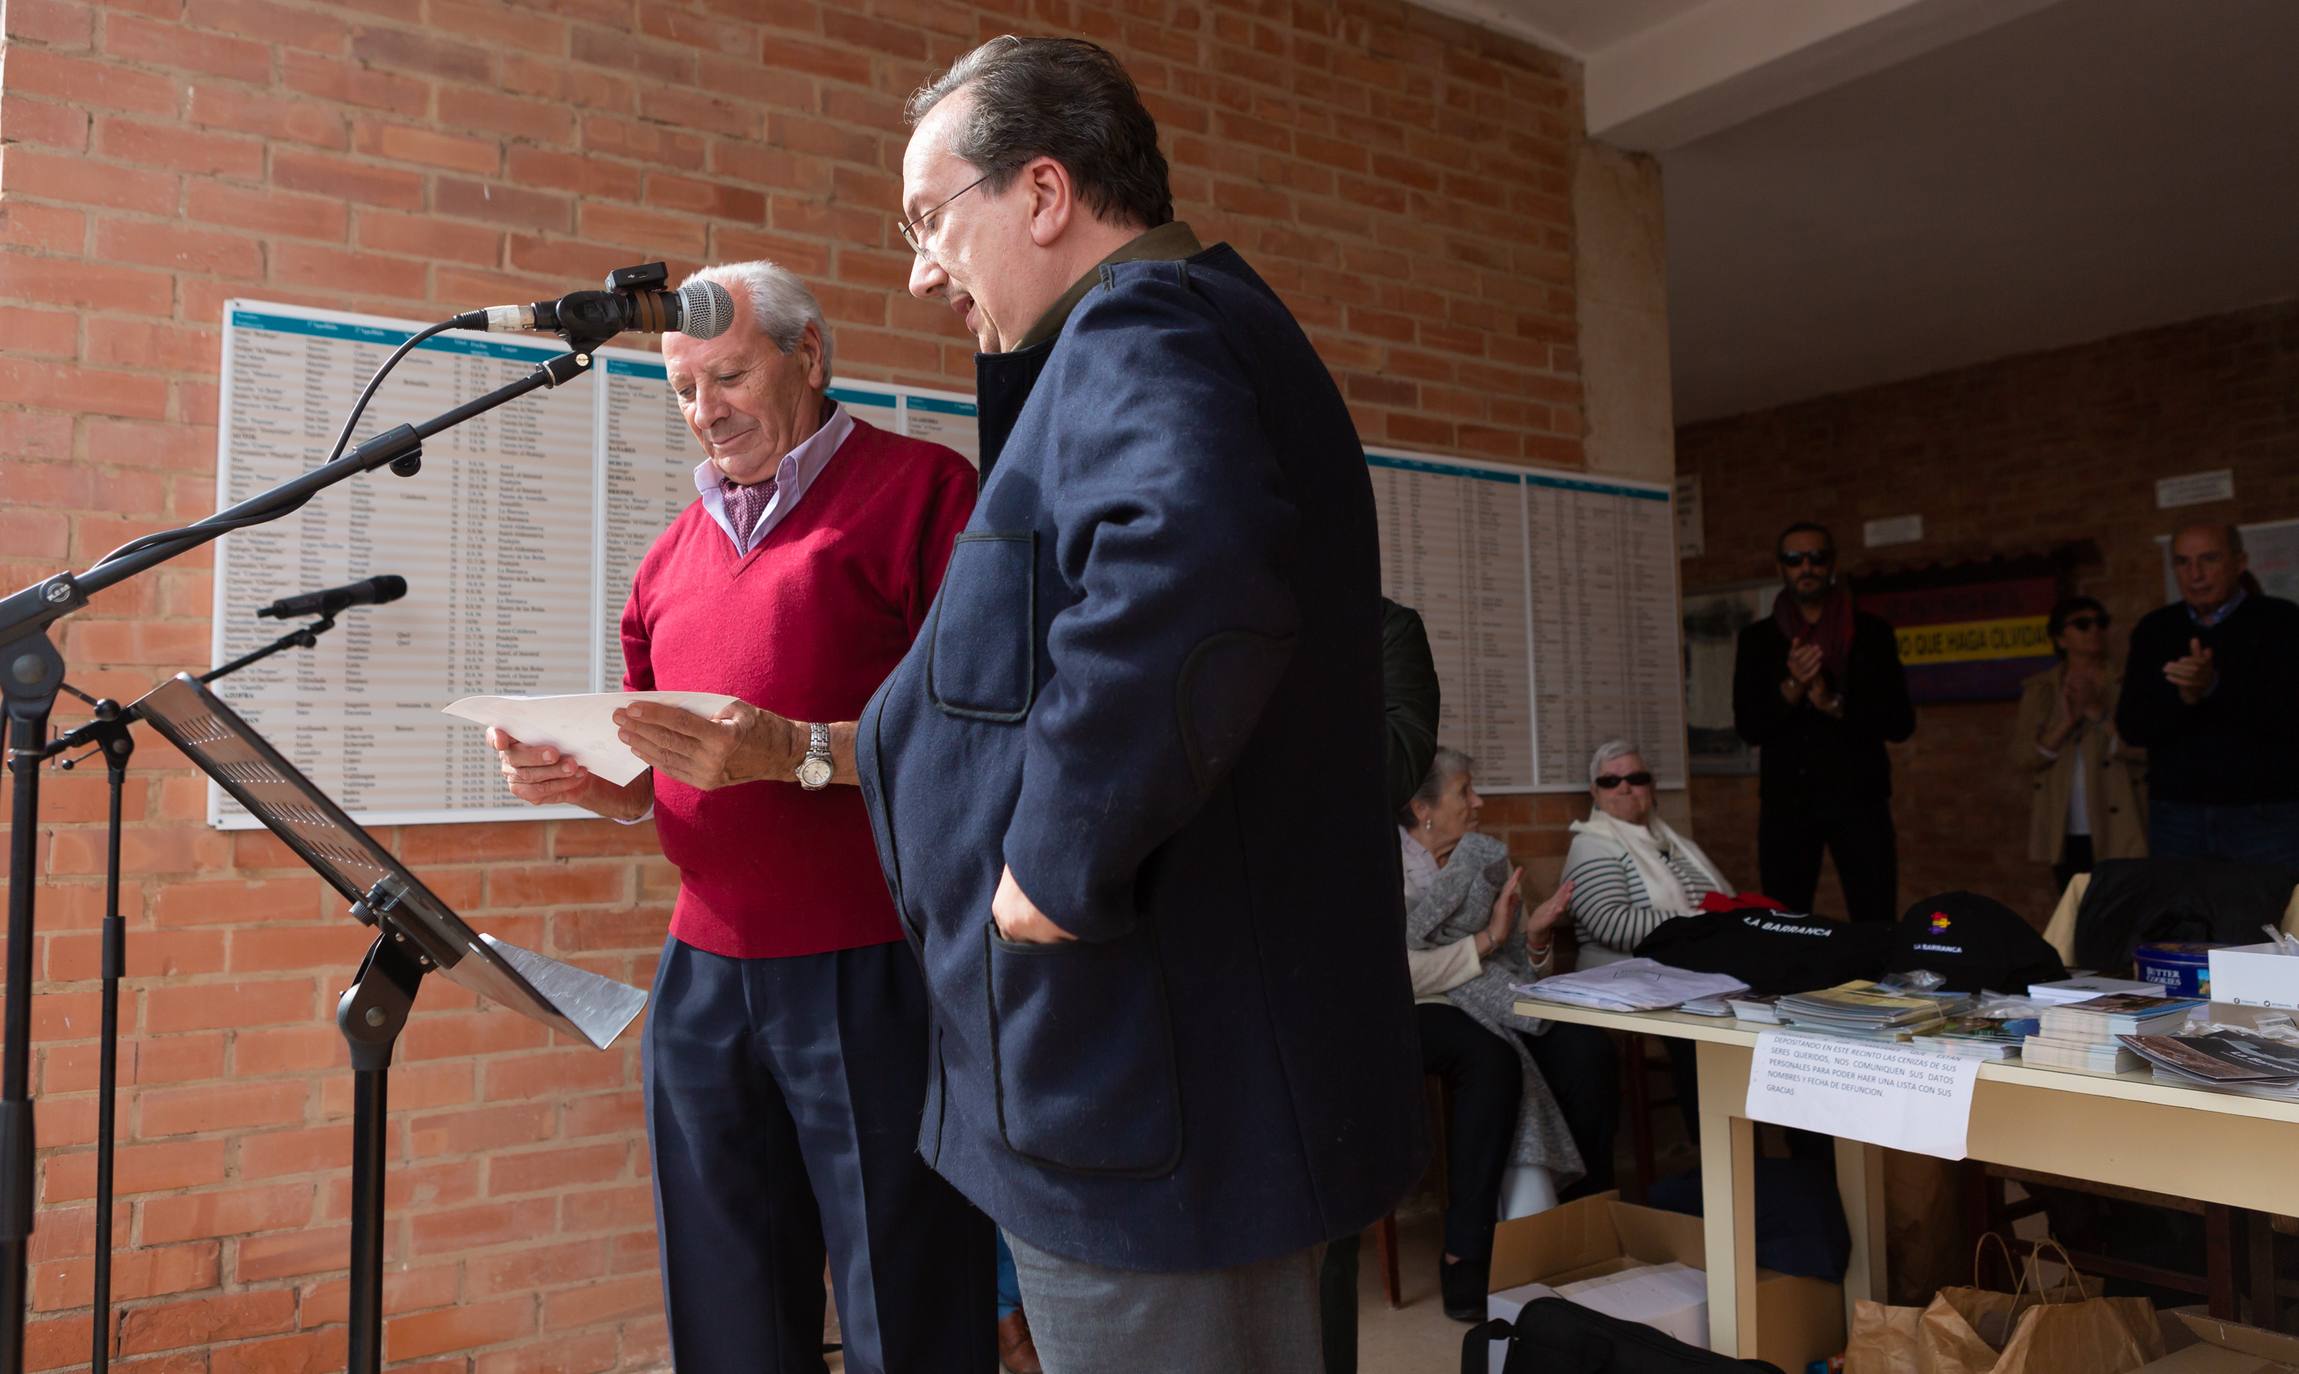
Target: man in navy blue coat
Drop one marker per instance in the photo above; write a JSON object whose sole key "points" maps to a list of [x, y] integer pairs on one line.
{"points": [[1128, 784]]}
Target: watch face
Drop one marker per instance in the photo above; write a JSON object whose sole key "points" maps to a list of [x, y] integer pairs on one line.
{"points": [[814, 772]]}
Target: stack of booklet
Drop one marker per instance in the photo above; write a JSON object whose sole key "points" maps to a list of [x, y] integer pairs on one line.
{"points": [[2084, 989], [1977, 1037], [2229, 1060], [2083, 1036], [1863, 1010]]}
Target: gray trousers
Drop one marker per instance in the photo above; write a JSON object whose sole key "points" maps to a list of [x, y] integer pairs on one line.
{"points": [[1253, 1319]]}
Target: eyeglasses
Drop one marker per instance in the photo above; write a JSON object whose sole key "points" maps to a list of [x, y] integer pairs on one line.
{"points": [[2086, 622], [918, 238], [1818, 558], [1606, 782]]}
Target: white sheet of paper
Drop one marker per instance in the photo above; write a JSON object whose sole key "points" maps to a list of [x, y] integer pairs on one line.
{"points": [[581, 725], [1888, 1095]]}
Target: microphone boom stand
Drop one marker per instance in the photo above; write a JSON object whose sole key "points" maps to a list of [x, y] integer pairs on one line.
{"points": [[109, 733], [32, 672]]}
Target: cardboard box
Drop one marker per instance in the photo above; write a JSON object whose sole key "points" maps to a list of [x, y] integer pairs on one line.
{"points": [[1797, 1320], [2222, 1347], [2255, 976]]}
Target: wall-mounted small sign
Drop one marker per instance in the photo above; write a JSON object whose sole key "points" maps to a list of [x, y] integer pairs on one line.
{"points": [[2195, 488], [1896, 529], [1691, 540]]}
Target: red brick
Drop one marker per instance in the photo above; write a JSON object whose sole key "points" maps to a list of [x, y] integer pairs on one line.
{"points": [[198, 1216], [239, 902], [114, 342], [24, 381], [589, 1352], [141, 1273], [546, 1264], [269, 210], [550, 1170], [41, 121], [501, 204], [86, 81], [277, 1154], [220, 1107], [406, 1290], [137, 39], [295, 26], [46, 228], [420, 52], [286, 1254], [656, 234], [220, 1005], [494, 1223], [274, 117], [458, 1328], [499, 26], [400, 143], [44, 333], [205, 1321], [179, 249], [349, 270], [161, 1167], [541, 121], [363, 182], [313, 1352], [27, 170], [351, 83]]}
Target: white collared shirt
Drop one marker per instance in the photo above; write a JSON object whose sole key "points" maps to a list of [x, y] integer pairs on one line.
{"points": [[792, 477]]}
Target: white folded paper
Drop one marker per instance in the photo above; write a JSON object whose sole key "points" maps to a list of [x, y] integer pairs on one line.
{"points": [[1630, 985], [581, 725]]}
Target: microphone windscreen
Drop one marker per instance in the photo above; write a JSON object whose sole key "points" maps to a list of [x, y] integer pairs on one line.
{"points": [[389, 587], [706, 310]]}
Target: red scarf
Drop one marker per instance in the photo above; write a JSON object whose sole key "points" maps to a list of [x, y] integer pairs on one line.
{"points": [[1832, 631]]}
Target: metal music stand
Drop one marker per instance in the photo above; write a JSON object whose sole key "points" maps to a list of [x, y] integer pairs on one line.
{"points": [[416, 933]]}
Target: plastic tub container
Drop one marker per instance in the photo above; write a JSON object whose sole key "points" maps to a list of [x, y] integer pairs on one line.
{"points": [[2183, 969]]}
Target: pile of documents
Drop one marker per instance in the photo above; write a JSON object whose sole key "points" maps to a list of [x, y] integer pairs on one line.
{"points": [[1868, 1012], [2228, 1059], [2083, 1036], [1630, 985]]}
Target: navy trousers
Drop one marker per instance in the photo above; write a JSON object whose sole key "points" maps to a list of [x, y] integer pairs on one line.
{"points": [[782, 1109]]}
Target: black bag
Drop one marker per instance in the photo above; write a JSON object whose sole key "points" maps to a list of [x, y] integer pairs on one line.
{"points": [[1771, 951], [1976, 943], [2132, 902], [1559, 1336]]}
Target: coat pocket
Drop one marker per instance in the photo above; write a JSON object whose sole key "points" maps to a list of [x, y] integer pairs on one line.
{"points": [[981, 650], [1082, 1054]]}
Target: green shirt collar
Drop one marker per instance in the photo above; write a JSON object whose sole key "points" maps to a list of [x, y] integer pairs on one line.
{"points": [[1169, 242]]}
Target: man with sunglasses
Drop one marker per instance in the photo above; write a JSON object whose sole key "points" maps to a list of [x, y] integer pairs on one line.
{"points": [[2209, 694], [1817, 687], [1129, 784]]}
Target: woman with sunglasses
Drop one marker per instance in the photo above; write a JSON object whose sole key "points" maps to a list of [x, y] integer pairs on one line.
{"points": [[1629, 871], [2087, 802]]}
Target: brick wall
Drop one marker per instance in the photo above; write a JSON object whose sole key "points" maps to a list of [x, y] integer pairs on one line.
{"points": [[1402, 179], [2028, 454]]}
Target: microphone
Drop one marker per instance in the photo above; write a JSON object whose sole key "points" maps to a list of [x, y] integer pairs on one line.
{"points": [[700, 310], [372, 592]]}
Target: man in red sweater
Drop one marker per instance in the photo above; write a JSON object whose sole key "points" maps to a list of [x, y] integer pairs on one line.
{"points": [[786, 1046]]}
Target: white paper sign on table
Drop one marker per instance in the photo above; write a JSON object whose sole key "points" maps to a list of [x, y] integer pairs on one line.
{"points": [[581, 725], [1861, 1090]]}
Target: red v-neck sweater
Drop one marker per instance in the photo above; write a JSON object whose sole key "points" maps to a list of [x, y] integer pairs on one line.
{"points": [[807, 625]]}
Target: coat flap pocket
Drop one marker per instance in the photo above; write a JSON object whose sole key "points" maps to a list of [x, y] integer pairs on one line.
{"points": [[981, 652]]}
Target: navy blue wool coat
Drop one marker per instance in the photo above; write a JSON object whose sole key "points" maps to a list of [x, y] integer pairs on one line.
{"points": [[1152, 684]]}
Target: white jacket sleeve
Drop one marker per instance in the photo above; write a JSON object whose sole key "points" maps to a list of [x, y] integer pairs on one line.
{"points": [[1440, 970]]}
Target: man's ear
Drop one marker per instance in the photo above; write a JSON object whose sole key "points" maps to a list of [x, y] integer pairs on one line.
{"points": [[810, 344], [1052, 199]]}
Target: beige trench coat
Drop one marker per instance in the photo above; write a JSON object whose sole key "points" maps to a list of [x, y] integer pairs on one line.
{"points": [[2115, 772]]}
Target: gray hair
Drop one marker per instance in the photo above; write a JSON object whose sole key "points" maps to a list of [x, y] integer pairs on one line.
{"points": [[1063, 98], [1608, 751], [779, 302], [1444, 766]]}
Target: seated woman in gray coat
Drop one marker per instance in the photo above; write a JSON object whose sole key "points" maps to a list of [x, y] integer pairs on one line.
{"points": [[1545, 1107]]}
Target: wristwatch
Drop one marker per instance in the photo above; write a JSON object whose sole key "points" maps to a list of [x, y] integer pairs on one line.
{"points": [[814, 770]]}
